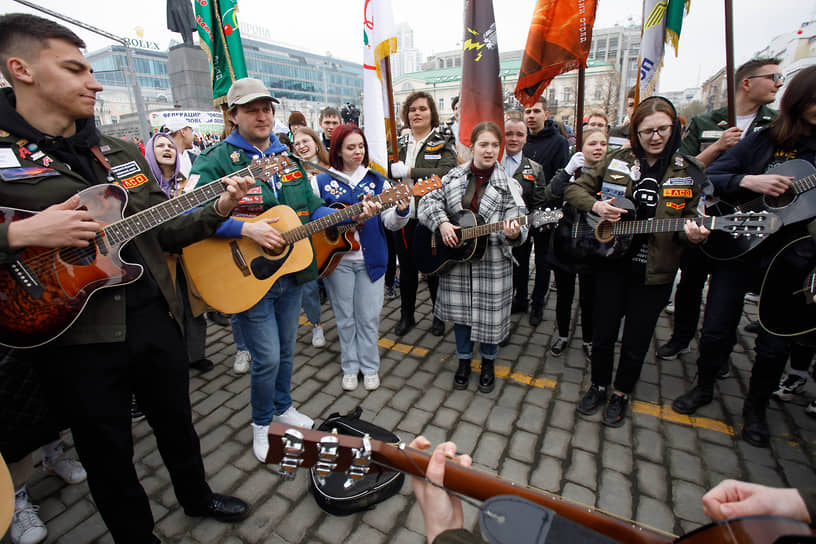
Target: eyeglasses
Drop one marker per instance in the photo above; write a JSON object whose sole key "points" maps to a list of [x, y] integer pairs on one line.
{"points": [[649, 132], [777, 78]]}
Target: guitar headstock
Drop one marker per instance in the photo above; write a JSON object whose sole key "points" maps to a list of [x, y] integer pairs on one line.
{"points": [[747, 224], [295, 447], [425, 186], [266, 167], [544, 217]]}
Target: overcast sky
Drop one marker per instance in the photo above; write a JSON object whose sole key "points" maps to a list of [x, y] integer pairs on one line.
{"points": [[336, 26]]}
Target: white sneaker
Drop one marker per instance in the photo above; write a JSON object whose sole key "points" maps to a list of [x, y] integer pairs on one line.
{"points": [[349, 382], [260, 441], [371, 382], [26, 525], [70, 470], [669, 309], [318, 340], [294, 418], [242, 362]]}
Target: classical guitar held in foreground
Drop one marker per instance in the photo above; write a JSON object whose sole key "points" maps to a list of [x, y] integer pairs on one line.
{"points": [[294, 447], [44, 290]]}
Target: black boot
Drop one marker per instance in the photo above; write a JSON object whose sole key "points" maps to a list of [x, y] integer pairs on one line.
{"points": [[405, 324], [437, 327], [487, 380], [755, 424], [462, 376]]}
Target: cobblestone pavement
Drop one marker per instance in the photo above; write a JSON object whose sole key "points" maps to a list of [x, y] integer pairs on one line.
{"points": [[654, 469]]}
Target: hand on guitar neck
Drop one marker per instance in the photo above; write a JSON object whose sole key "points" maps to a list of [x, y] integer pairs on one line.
{"points": [[440, 510]]}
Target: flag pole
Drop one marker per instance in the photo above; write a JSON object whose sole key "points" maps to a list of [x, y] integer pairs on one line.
{"points": [[579, 114], [393, 155], [729, 63]]}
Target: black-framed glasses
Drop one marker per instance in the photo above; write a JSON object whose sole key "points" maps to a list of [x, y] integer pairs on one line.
{"points": [[665, 130], [777, 78]]}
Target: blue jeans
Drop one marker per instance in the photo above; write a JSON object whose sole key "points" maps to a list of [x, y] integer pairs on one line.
{"points": [[269, 330], [357, 303], [237, 335], [311, 302], [464, 345]]}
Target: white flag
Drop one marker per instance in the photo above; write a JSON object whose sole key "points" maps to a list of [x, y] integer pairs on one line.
{"points": [[652, 44], [379, 41]]}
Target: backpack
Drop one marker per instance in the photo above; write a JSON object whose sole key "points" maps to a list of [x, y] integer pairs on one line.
{"points": [[331, 494]]}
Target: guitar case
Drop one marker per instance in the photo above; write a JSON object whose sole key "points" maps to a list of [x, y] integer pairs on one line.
{"points": [[334, 494]]}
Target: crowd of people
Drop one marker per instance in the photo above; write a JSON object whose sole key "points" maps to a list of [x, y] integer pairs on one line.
{"points": [[136, 342]]}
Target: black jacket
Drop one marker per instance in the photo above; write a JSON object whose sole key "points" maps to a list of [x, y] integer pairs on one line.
{"points": [[548, 148]]}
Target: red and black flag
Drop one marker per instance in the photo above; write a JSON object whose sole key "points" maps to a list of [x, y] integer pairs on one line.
{"points": [[481, 95], [559, 39]]}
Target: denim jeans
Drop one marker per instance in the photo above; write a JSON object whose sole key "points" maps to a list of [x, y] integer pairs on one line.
{"points": [[311, 302], [357, 303], [269, 330], [237, 335], [464, 345]]}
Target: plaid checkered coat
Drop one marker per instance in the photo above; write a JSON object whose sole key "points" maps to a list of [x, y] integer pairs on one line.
{"points": [[476, 293]]}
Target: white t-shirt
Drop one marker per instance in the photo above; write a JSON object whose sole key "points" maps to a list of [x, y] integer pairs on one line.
{"points": [[744, 121]]}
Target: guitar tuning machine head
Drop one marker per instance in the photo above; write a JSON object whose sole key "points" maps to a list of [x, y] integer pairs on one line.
{"points": [[361, 460], [292, 453], [326, 457]]}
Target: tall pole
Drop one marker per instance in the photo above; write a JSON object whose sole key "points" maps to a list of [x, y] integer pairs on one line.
{"points": [[729, 63], [392, 116], [144, 126], [579, 113]]}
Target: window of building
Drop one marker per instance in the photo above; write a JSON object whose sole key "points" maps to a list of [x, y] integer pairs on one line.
{"points": [[441, 104], [566, 94]]}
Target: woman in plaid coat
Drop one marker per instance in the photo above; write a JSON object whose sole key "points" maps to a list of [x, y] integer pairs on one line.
{"points": [[476, 295]]}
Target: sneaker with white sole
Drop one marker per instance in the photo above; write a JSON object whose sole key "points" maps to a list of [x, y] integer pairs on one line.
{"points": [[242, 362], [294, 418], [810, 409], [371, 382], [789, 385], [318, 340], [70, 470], [349, 382], [26, 525], [260, 441]]}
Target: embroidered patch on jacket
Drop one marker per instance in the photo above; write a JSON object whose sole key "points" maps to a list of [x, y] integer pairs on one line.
{"points": [[291, 176], [126, 169], [528, 177], [618, 165], [435, 147], [675, 205], [679, 181], [304, 213], [433, 157], [134, 181], [680, 193]]}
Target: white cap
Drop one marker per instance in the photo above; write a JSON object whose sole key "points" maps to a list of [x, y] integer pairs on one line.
{"points": [[174, 124]]}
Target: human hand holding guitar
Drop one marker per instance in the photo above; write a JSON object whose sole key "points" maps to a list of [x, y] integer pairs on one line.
{"points": [[60, 225], [767, 184], [448, 232], [440, 510], [733, 498], [263, 233], [512, 229], [606, 210], [370, 209], [695, 233], [236, 188]]}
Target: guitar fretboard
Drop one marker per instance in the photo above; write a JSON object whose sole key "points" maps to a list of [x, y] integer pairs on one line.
{"points": [[804, 184], [488, 228], [650, 226]]}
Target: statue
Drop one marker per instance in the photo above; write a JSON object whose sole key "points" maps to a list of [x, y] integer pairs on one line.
{"points": [[180, 18]]}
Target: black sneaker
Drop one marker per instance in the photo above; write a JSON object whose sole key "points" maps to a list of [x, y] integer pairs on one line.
{"points": [[136, 413], [753, 327], [558, 346], [755, 426], [592, 401], [615, 410], [688, 403], [724, 371], [586, 347], [671, 349]]}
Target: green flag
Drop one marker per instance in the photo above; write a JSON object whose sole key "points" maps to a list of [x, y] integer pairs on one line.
{"points": [[217, 22], [674, 21]]}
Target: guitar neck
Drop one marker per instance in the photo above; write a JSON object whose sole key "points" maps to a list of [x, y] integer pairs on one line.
{"points": [[652, 226], [488, 228], [804, 184], [482, 486]]}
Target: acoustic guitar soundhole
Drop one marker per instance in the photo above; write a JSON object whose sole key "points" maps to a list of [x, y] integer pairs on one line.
{"points": [[780, 201], [603, 232]]}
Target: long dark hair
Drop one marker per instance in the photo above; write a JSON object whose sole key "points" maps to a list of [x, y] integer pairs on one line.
{"points": [[789, 128], [335, 148]]}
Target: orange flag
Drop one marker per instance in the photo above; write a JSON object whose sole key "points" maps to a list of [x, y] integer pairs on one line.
{"points": [[559, 39]]}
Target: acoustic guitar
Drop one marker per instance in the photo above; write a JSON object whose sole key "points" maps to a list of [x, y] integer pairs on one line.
{"points": [[295, 447], [796, 204], [233, 274], [434, 257], [613, 239], [786, 305], [331, 244], [44, 290]]}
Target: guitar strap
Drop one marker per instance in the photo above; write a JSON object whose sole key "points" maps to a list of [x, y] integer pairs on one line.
{"points": [[699, 177]]}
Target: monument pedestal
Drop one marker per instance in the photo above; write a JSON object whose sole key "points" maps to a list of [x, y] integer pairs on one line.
{"points": [[189, 71]]}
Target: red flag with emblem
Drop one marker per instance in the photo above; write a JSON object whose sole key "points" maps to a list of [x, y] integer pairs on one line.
{"points": [[481, 95], [559, 39]]}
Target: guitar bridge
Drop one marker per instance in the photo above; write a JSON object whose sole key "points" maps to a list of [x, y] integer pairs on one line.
{"points": [[26, 278]]}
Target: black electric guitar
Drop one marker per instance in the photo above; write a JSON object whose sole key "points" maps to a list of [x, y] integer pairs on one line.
{"points": [[294, 448], [798, 203], [44, 290], [613, 239], [434, 257], [786, 305]]}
